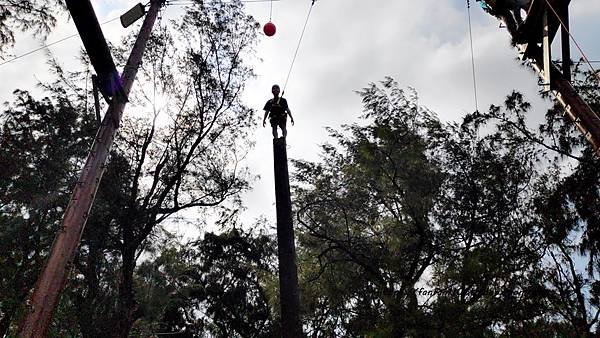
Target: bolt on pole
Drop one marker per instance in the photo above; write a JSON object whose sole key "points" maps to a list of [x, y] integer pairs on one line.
{"points": [[54, 275]]}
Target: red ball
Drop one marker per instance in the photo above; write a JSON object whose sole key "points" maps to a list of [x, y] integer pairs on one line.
{"points": [[269, 29]]}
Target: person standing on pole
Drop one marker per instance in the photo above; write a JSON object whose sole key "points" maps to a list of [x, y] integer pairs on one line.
{"points": [[277, 110]]}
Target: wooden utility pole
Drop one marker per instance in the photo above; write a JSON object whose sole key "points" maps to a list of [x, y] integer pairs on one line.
{"points": [[51, 281], [289, 294]]}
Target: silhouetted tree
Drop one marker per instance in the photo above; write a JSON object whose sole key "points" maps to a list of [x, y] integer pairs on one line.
{"points": [[363, 211], [188, 158], [487, 269], [36, 16], [214, 286], [42, 143]]}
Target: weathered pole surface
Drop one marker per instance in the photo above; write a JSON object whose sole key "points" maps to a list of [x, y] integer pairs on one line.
{"points": [[51, 281], [289, 294]]}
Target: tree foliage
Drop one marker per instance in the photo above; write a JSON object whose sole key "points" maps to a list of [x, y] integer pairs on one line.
{"points": [[411, 227], [157, 169], [189, 161], [36, 16], [42, 143], [214, 286], [365, 217]]}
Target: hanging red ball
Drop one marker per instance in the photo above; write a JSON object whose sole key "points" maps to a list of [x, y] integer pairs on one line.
{"points": [[269, 29]]}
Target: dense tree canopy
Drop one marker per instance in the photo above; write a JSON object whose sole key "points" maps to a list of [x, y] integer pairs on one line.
{"points": [[413, 227], [42, 143], [365, 217]]}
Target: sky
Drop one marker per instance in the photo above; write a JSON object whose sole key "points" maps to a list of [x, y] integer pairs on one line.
{"points": [[347, 44]]}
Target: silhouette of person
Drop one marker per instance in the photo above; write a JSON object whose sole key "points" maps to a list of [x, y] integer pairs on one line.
{"points": [[277, 110]]}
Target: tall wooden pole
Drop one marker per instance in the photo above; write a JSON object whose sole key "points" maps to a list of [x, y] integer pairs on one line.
{"points": [[51, 281], [289, 294]]}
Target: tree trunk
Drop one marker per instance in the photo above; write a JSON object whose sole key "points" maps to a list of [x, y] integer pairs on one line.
{"points": [[126, 305], [6, 319], [89, 314]]}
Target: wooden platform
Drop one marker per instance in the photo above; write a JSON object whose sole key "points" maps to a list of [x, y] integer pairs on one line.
{"points": [[531, 32], [534, 39]]}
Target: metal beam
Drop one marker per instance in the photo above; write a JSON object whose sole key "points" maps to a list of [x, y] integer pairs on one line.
{"points": [[96, 47]]}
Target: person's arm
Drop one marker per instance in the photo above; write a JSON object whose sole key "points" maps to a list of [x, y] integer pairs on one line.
{"points": [[289, 112], [267, 108]]}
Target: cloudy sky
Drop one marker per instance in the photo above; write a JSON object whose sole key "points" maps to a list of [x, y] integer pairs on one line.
{"points": [[348, 44]]}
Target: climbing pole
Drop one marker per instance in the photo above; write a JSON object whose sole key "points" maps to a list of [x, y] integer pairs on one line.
{"points": [[289, 292]]}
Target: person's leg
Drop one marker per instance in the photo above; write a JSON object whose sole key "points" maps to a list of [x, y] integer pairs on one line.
{"points": [[282, 126], [274, 128]]}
